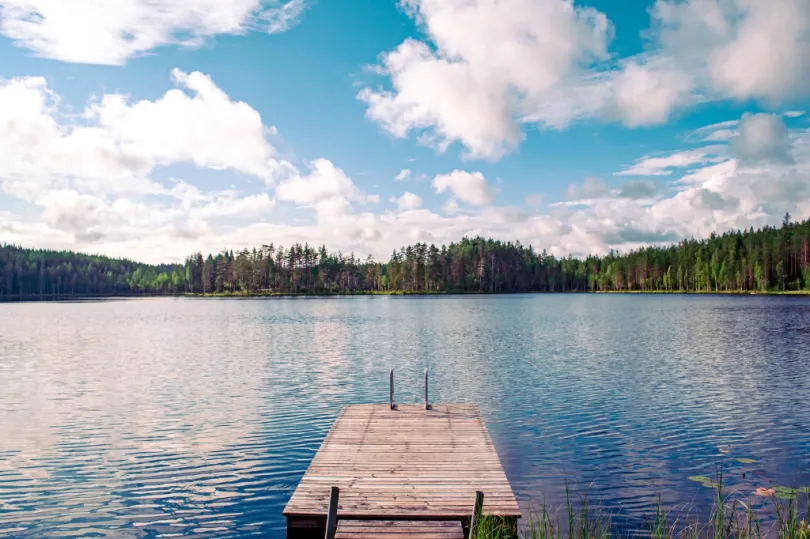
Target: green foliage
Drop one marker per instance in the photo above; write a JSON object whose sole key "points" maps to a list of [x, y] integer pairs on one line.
{"points": [[31, 273], [770, 259], [731, 518], [703, 480], [744, 261], [785, 493]]}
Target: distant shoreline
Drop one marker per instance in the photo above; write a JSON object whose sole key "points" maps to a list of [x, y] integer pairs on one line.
{"points": [[28, 298]]}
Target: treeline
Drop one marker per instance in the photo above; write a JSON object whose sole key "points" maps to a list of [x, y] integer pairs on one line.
{"points": [[28, 273], [768, 259]]}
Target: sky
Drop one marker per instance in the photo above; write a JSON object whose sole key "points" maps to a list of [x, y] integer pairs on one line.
{"points": [[152, 129]]}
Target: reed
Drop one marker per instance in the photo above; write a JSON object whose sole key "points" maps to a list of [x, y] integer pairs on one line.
{"points": [[730, 518]]}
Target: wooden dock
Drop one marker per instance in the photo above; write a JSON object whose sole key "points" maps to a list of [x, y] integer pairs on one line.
{"points": [[401, 465]]}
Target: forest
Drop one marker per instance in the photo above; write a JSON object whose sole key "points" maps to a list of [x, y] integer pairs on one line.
{"points": [[771, 259]]}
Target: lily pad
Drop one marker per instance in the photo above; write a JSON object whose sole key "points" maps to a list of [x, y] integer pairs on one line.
{"points": [[806, 490], [785, 493], [745, 461], [703, 480]]}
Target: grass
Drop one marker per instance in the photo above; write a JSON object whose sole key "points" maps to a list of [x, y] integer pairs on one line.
{"points": [[730, 518]]}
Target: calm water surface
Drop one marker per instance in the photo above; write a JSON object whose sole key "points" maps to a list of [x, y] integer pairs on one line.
{"points": [[152, 418]]}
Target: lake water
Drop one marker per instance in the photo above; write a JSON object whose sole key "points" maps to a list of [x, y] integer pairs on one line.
{"points": [[191, 416]]}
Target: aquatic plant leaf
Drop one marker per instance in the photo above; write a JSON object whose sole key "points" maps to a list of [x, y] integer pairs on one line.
{"points": [[703, 480], [764, 492], [785, 493], [745, 460]]}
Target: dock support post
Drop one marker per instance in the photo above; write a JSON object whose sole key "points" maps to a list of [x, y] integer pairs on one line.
{"points": [[476, 513], [427, 402], [331, 516], [391, 398]]}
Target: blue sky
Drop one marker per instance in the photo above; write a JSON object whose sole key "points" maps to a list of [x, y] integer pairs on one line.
{"points": [[576, 127]]}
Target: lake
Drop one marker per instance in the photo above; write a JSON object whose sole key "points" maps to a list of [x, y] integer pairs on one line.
{"points": [[157, 417]]}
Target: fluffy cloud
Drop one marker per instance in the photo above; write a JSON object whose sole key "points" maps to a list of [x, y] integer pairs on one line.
{"points": [[743, 48], [230, 204], [327, 189], [324, 182], [639, 189], [647, 94], [761, 137], [403, 175], [206, 129], [89, 31], [92, 182], [469, 187], [409, 201], [485, 59], [590, 188], [70, 211], [92, 175], [118, 143], [768, 51], [485, 67]]}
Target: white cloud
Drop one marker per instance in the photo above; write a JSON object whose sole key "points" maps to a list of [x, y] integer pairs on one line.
{"points": [[89, 183], [717, 132], [486, 58], [409, 201], [326, 188], [534, 200], [712, 201], [283, 15], [230, 204], [646, 95], [206, 129], [91, 175], [745, 48], [470, 187], [590, 188], [451, 206], [70, 211], [768, 54], [324, 182], [485, 67], [762, 137], [403, 175], [639, 189], [111, 32], [662, 166], [117, 144]]}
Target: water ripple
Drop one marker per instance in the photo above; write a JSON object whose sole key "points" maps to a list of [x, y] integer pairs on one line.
{"points": [[167, 418]]}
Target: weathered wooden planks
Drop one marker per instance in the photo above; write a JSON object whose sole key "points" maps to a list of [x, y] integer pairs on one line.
{"points": [[403, 464], [393, 529]]}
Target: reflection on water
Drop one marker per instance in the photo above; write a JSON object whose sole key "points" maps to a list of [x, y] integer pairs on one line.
{"points": [[163, 417]]}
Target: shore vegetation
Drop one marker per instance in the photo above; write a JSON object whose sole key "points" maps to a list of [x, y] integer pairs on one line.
{"points": [[770, 260]]}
